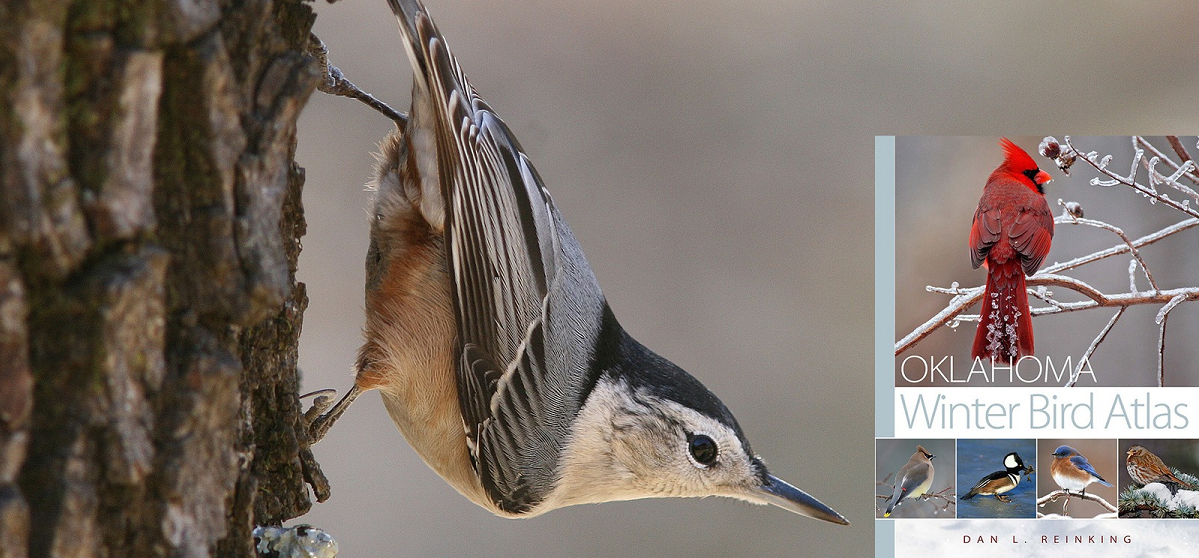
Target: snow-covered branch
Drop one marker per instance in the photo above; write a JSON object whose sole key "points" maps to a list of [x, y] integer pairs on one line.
{"points": [[1053, 496]]}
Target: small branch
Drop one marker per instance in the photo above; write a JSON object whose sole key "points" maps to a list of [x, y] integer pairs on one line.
{"points": [[1130, 180], [1123, 248], [1070, 219], [335, 83], [1178, 148], [1161, 338], [956, 306], [1096, 300], [1094, 345], [1161, 354], [947, 495], [1053, 496]]}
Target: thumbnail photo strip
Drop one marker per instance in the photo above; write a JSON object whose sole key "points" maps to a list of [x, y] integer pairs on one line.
{"points": [[1059, 478]]}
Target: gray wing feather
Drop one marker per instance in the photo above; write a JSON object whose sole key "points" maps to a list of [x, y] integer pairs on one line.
{"points": [[525, 298]]}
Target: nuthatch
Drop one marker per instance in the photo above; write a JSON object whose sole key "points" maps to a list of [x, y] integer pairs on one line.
{"points": [[487, 335]]}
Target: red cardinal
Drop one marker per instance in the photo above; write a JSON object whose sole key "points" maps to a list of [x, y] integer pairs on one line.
{"points": [[1011, 234]]}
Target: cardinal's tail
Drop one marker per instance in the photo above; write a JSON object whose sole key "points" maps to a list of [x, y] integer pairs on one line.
{"points": [[1005, 329]]}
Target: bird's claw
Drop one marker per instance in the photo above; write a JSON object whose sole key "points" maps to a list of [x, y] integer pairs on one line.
{"points": [[320, 417], [322, 400]]}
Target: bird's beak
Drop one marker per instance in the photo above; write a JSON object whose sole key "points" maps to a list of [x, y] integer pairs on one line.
{"points": [[776, 491], [1042, 177]]}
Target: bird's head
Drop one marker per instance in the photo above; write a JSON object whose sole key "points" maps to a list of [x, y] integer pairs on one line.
{"points": [[1018, 165], [927, 455], [1136, 451], [1063, 452], [1013, 461], [658, 432]]}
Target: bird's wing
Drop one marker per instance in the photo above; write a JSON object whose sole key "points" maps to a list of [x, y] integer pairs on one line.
{"points": [[1082, 463], [914, 477], [984, 233], [991, 477], [1031, 235], [520, 283]]}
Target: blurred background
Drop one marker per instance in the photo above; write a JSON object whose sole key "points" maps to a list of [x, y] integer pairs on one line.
{"points": [[715, 161], [938, 184]]}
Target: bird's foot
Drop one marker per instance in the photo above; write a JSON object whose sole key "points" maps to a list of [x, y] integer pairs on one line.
{"points": [[335, 83], [322, 399], [323, 413], [1003, 498]]}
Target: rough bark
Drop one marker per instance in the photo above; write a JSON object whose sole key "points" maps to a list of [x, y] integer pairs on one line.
{"points": [[150, 220]]}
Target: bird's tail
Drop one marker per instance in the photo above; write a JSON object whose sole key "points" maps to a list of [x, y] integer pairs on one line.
{"points": [[891, 506], [1004, 331], [969, 495]]}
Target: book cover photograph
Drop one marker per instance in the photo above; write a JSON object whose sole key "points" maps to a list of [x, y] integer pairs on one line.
{"points": [[1042, 395]]}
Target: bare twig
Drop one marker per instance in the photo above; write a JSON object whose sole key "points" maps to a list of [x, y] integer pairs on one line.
{"points": [[1086, 357], [1070, 219], [1096, 298], [1179, 148], [1161, 338], [335, 83]]}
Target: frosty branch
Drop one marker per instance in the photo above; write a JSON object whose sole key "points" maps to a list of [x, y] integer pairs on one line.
{"points": [[942, 499], [1053, 496], [1053, 276]]}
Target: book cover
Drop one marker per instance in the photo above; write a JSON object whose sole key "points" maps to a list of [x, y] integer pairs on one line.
{"points": [[1037, 394]]}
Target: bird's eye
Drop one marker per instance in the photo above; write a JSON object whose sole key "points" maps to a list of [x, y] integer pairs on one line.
{"points": [[702, 448], [1032, 174]]}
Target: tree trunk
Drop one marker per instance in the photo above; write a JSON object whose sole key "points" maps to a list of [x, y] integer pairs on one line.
{"points": [[149, 314]]}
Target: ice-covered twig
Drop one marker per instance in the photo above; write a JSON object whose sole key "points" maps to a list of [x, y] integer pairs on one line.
{"points": [[1086, 357], [1100, 165], [1066, 218], [1122, 248], [1187, 168], [1053, 496], [949, 313], [1161, 337], [1096, 299], [946, 495]]}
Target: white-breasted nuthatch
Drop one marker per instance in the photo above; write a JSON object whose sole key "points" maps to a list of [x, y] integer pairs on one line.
{"points": [[487, 335]]}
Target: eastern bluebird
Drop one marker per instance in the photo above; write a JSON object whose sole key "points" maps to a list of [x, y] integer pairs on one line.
{"points": [[1072, 471]]}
